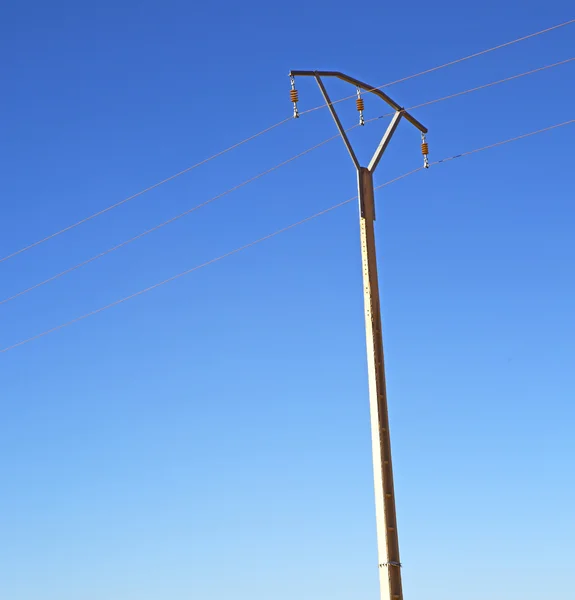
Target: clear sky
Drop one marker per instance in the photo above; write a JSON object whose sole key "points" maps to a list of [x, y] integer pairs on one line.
{"points": [[210, 439]]}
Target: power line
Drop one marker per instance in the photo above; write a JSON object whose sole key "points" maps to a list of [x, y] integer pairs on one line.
{"points": [[254, 178], [178, 276], [486, 85], [262, 132], [274, 234], [497, 144], [449, 64], [144, 191], [476, 150], [476, 89], [168, 222]]}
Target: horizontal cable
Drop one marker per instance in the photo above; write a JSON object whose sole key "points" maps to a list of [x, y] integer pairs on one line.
{"points": [[168, 222], [449, 64], [141, 192], [497, 144], [476, 150], [272, 235], [487, 85], [476, 89], [174, 277]]}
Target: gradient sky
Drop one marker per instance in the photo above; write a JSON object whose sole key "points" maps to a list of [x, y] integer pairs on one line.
{"points": [[210, 439]]}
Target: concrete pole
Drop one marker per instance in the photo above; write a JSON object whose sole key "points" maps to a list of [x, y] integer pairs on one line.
{"points": [[386, 519]]}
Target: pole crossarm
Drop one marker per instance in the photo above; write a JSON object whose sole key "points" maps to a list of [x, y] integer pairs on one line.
{"points": [[365, 87]]}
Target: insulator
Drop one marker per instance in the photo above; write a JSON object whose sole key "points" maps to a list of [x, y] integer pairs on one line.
{"points": [[425, 148], [293, 94], [360, 104]]}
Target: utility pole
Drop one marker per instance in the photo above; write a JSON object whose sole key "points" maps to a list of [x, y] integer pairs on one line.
{"points": [[387, 537]]}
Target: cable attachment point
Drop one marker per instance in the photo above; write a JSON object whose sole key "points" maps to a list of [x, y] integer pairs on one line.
{"points": [[360, 106], [294, 97], [424, 151]]}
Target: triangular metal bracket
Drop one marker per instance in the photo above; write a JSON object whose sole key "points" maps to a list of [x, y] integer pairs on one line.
{"points": [[400, 113]]}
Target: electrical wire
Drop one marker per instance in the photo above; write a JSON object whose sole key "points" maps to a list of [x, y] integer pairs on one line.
{"points": [[254, 178], [168, 222], [487, 85], [272, 235], [475, 89], [262, 132], [448, 64], [476, 150], [144, 191], [178, 276], [502, 143]]}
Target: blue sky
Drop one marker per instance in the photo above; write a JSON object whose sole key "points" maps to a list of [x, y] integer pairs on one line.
{"points": [[210, 439]]}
